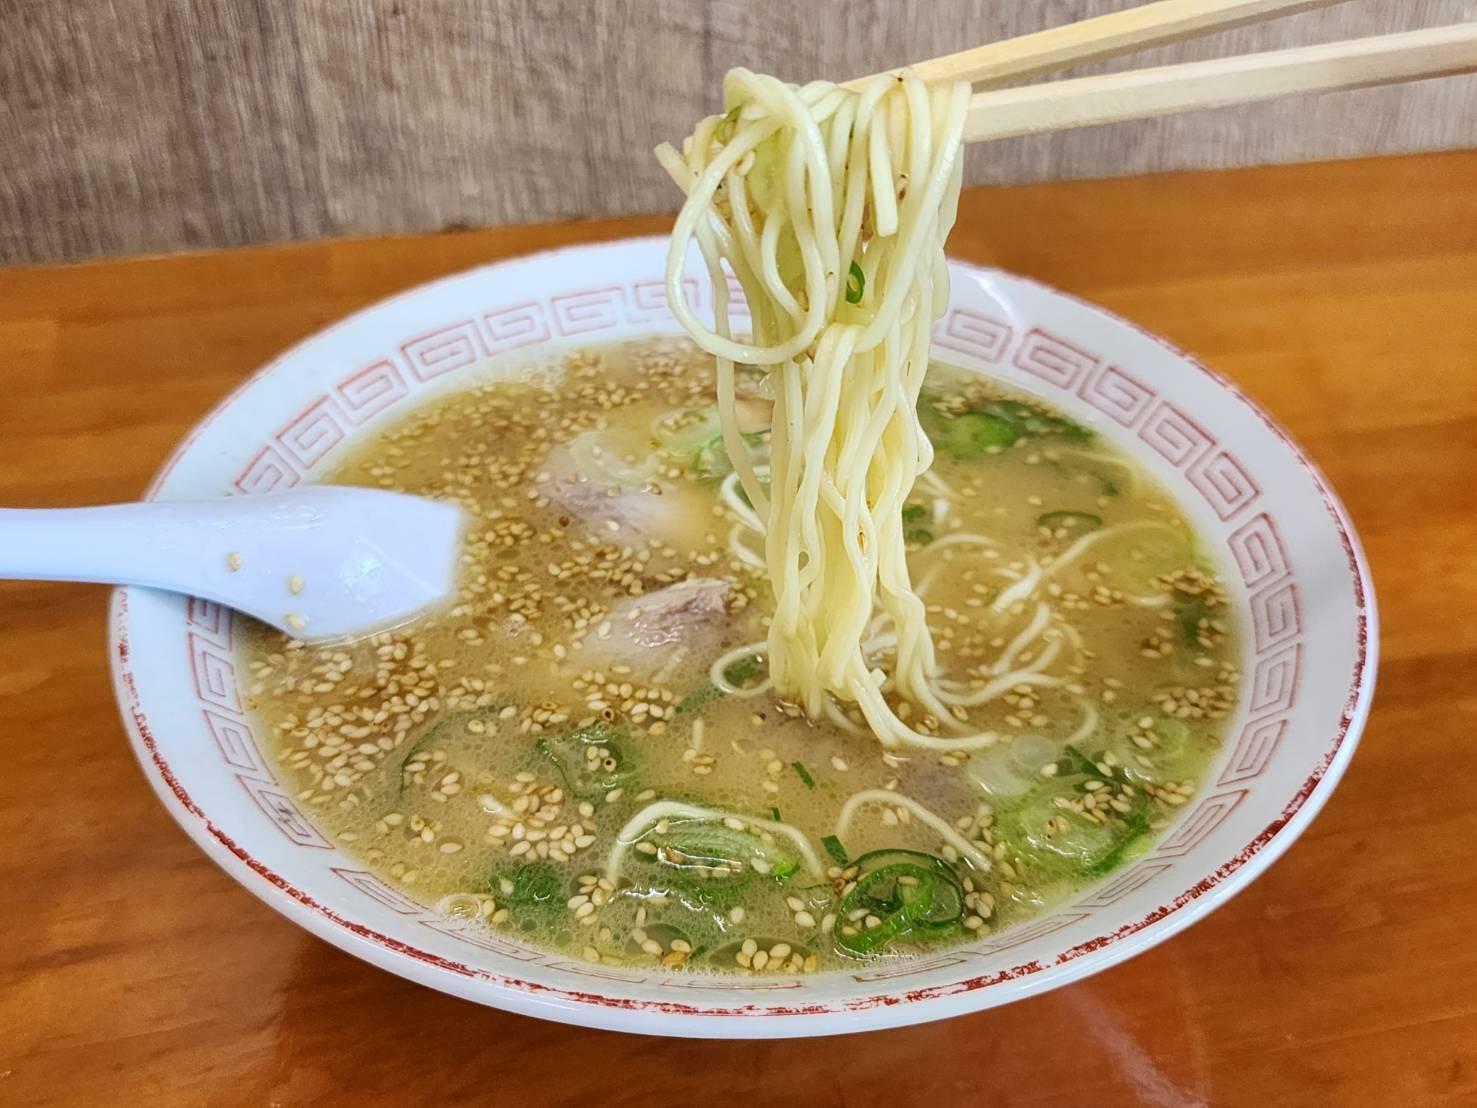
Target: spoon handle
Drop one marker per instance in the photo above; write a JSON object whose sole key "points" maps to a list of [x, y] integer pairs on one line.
{"points": [[320, 562], [165, 545]]}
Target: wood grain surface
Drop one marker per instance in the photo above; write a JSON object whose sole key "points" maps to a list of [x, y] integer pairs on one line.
{"points": [[153, 125], [132, 971]]}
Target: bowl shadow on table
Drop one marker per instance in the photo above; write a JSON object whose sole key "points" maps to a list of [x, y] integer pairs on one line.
{"points": [[347, 1026]]}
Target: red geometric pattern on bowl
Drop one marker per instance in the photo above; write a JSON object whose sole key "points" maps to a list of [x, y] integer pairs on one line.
{"points": [[365, 393], [1274, 682], [1055, 361], [728, 984], [234, 740], [649, 300], [315, 432], [597, 973], [1275, 616], [1225, 485], [268, 471], [1257, 550], [891, 972], [210, 620], [582, 313], [1028, 932], [1176, 437], [1131, 881], [1117, 394], [372, 887], [514, 326], [455, 346], [973, 334], [474, 934], [1201, 820], [1254, 748], [283, 814], [215, 675], [738, 302]]}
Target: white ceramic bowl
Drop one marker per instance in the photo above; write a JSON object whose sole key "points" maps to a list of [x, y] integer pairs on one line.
{"points": [[1300, 583]]}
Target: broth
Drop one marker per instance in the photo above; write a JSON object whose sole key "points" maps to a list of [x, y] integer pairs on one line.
{"points": [[494, 760]]}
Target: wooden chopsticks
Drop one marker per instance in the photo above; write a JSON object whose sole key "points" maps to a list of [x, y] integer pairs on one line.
{"points": [[1141, 94], [1105, 36], [996, 113]]}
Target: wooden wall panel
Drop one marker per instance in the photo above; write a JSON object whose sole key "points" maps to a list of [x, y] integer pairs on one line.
{"points": [[154, 125]]}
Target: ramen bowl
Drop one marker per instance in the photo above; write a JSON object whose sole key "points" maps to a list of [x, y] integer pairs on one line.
{"points": [[1296, 575]]}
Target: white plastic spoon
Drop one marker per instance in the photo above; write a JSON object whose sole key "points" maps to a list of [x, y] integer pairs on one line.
{"points": [[320, 563]]}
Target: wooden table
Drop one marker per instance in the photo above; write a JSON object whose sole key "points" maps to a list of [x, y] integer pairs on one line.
{"points": [[1343, 296]]}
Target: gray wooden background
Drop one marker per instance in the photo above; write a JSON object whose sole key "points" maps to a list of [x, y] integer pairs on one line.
{"points": [[156, 125]]}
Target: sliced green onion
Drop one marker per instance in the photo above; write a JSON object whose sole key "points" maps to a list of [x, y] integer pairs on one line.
{"points": [[948, 899], [991, 427], [914, 896], [725, 129], [1189, 615], [715, 854], [583, 777], [1130, 845], [739, 673], [1074, 761], [914, 515], [835, 849], [804, 774], [1076, 847], [899, 895], [530, 885], [1037, 421], [448, 729], [856, 284], [976, 433], [774, 814]]}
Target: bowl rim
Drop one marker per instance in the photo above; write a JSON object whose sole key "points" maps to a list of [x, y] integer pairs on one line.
{"points": [[882, 1010]]}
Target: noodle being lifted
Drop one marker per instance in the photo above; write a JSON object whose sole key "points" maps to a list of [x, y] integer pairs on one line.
{"points": [[831, 208]]}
